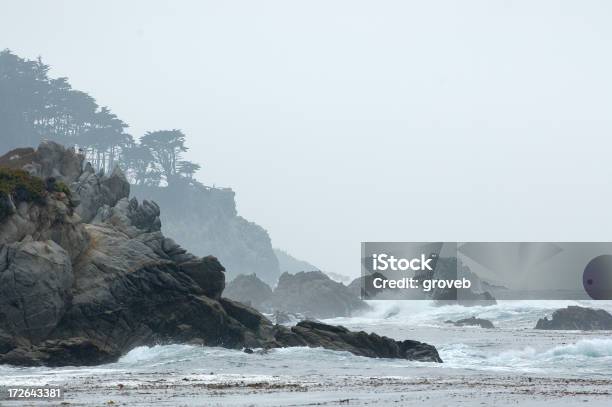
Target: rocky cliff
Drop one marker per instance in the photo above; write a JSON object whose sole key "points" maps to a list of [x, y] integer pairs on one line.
{"points": [[86, 275], [206, 221]]}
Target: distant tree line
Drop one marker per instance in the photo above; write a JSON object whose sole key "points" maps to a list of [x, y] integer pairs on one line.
{"points": [[34, 107]]}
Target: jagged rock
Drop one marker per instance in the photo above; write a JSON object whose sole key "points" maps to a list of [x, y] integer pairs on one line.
{"points": [[116, 187], [316, 334], [473, 321], [314, 294], [35, 282], [249, 289], [577, 318], [131, 217], [77, 293], [95, 191], [89, 191], [145, 216]]}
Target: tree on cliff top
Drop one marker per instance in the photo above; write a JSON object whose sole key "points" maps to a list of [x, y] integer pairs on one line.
{"points": [[167, 147], [34, 107]]}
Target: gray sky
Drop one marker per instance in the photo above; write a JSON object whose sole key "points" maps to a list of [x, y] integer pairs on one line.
{"points": [[345, 121]]}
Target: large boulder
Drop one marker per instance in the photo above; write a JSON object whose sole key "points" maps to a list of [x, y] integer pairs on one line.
{"points": [[249, 289], [316, 295], [35, 282], [577, 318]]}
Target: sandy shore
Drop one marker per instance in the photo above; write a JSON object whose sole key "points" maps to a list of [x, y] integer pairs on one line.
{"points": [[237, 390]]}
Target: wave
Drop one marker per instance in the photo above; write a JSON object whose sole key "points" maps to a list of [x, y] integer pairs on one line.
{"points": [[590, 348], [513, 314], [585, 356]]}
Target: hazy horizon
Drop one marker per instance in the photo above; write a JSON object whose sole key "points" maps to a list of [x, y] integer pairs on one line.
{"points": [[347, 121]]}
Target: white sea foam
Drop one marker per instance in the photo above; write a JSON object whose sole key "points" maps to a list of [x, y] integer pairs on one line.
{"points": [[513, 347]]}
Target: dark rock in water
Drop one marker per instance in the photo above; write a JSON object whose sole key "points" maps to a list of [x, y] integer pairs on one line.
{"points": [[577, 318], [473, 321], [249, 289], [316, 334], [78, 293], [315, 294], [248, 351]]}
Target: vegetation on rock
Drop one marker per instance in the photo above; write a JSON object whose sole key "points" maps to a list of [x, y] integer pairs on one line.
{"points": [[21, 186]]}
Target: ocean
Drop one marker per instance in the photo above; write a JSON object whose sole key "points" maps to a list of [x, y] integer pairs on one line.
{"points": [[510, 364]]}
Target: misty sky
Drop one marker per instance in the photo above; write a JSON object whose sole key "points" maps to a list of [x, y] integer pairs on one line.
{"points": [[338, 122]]}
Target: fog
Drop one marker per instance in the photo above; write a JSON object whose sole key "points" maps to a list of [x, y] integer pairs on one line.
{"points": [[338, 122]]}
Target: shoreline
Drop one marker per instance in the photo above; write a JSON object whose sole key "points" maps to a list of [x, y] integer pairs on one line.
{"points": [[233, 390]]}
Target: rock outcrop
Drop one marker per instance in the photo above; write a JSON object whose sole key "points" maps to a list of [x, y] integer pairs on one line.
{"points": [[577, 318], [80, 287], [250, 290], [316, 334], [473, 321], [316, 295]]}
